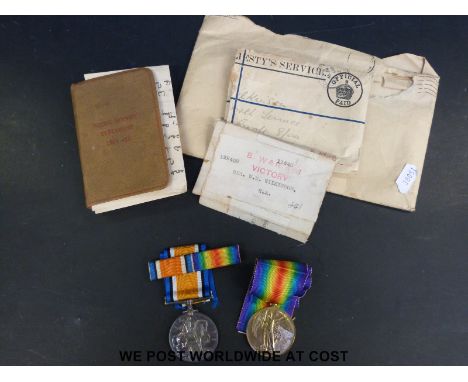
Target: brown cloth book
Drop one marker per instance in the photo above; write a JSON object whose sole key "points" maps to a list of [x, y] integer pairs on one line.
{"points": [[120, 136]]}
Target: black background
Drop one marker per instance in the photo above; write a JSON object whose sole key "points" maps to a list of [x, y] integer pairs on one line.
{"points": [[389, 286]]}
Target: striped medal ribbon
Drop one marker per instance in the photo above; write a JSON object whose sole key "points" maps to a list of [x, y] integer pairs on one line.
{"points": [[195, 286], [196, 261], [274, 293]]}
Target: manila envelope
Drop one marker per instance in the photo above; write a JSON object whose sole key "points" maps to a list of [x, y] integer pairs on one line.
{"points": [[399, 115], [312, 105]]}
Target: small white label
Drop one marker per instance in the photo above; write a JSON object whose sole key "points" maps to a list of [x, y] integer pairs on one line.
{"points": [[407, 177], [269, 177]]}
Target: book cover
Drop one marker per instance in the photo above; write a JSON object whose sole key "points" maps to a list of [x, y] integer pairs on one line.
{"points": [[120, 136]]}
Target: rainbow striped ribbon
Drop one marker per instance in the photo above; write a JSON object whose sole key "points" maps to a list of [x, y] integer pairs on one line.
{"points": [[275, 282], [198, 261]]}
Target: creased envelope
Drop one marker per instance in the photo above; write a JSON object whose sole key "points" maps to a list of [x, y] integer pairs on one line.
{"points": [[309, 104], [278, 186], [399, 115]]}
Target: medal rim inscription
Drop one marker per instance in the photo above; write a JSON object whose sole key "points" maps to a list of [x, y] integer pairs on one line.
{"points": [[253, 343], [205, 317]]}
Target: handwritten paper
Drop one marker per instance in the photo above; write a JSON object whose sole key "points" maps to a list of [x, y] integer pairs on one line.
{"points": [[278, 186], [312, 105], [177, 179]]}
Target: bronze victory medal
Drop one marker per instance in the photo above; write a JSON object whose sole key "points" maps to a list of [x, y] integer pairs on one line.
{"points": [[272, 330]]}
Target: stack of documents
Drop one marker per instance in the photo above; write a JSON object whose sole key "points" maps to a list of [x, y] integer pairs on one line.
{"points": [[355, 125], [263, 181]]}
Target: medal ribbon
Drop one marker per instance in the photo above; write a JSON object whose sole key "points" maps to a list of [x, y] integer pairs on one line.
{"points": [[198, 284], [278, 282], [193, 262], [190, 286]]}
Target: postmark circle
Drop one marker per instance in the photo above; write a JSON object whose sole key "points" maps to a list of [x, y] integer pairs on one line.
{"points": [[344, 89]]}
